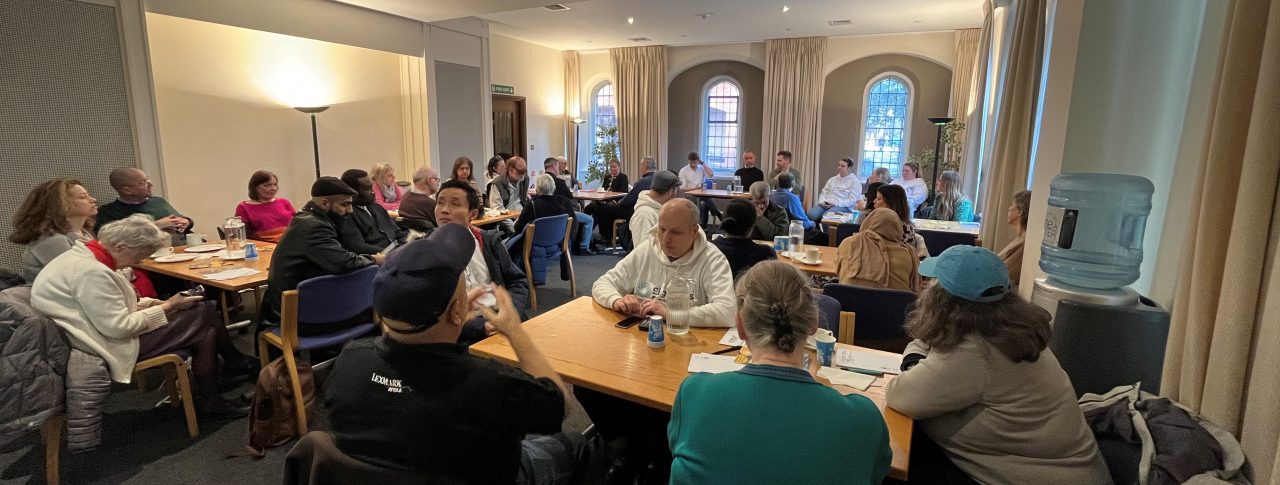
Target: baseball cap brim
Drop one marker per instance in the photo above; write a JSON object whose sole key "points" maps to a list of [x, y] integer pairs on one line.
{"points": [[929, 267]]}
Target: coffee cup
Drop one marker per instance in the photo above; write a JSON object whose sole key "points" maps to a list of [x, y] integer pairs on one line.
{"points": [[826, 345], [162, 252], [781, 243], [196, 239], [811, 254]]}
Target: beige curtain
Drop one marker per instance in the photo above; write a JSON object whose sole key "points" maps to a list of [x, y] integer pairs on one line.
{"points": [[966, 85], [640, 87], [1221, 358], [974, 114], [572, 106], [793, 81], [1010, 160]]}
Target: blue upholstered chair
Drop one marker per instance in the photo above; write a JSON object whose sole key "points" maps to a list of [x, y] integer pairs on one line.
{"points": [[547, 239], [320, 300], [939, 241], [881, 314]]}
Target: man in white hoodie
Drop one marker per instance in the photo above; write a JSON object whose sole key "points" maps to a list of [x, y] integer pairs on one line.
{"points": [[645, 216], [636, 285]]}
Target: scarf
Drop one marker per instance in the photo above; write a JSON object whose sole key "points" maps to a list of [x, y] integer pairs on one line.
{"points": [[388, 192], [141, 282], [876, 256]]}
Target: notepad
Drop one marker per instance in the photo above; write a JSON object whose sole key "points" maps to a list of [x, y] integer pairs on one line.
{"points": [[867, 362], [845, 378], [731, 338], [713, 364]]}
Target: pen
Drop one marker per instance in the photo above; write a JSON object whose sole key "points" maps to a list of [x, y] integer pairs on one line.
{"points": [[725, 351]]}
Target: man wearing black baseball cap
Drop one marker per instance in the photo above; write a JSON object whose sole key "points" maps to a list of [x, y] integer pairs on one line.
{"points": [[414, 399], [311, 247]]}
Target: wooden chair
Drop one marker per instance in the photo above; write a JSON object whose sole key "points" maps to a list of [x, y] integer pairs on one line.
{"points": [[51, 432], [845, 335], [178, 382], [617, 225], [546, 239]]}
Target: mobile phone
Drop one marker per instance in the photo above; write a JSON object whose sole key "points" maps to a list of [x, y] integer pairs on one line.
{"points": [[197, 290], [629, 322]]}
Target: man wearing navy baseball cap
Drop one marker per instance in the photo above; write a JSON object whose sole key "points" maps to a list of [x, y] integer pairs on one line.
{"points": [[982, 383], [415, 399]]}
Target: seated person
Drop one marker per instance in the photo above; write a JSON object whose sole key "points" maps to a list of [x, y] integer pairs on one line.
{"points": [[509, 191], [950, 204], [562, 172], [311, 247], [265, 216], [85, 295], [645, 217], [771, 219], [469, 416], [879, 176], [463, 170], [606, 211], [628, 203], [54, 217], [726, 428], [840, 194], [495, 168], [693, 177], [489, 263], [134, 191], [749, 174], [894, 198], [418, 207], [917, 191], [386, 192], [1016, 216], [869, 202], [369, 229], [876, 257], [545, 204], [737, 246], [784, 197], [782, 165], [583, 247], [980, 381]]}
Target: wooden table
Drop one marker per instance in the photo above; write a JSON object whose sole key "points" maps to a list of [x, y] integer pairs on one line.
{"points": [[947, 226], [182, 270], [484, 220], [581, 342], [598, 195], [827, 255], [717, 194]]}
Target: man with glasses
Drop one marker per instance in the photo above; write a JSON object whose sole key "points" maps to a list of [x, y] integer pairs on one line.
{"points": [[418, 208], [134, 197]]}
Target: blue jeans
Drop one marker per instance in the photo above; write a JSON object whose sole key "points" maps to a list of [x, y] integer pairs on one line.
{"points": [[588, 228], [816, 212], [552, 459]]}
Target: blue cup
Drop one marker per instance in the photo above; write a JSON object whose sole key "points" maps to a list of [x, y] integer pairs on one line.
{"points": [[781, 243], [826, 350]]}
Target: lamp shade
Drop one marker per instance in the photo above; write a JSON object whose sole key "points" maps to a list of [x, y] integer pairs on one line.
{"points": [[941, 120], [312, 109]]}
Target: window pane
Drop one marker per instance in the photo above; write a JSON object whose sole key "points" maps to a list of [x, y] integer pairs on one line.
{"points": [[721, 103], [884, 126]]}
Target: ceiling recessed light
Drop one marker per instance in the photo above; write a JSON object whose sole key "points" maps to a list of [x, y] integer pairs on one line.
{"points": [[704, 16], [915, 21], [788, 30], [837, 23], [640, 39], [785, 9], [631, 20], [556, 7]]}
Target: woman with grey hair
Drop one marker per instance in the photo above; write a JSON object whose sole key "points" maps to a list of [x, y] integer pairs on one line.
{"points": [[544, 204], [755, 425], [83, 292]]}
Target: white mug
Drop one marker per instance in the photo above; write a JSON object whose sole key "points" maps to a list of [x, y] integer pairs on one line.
{"points": [[162, 252], [194, 239], [811, 254]]}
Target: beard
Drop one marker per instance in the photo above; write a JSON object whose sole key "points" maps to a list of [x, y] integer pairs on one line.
{"points": [[336, 218], [363, 198]]}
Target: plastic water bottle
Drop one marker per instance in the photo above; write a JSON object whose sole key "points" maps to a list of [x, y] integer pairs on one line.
{"points": [[795, 233], [737, 184], [1094, 228], [679, 291]]}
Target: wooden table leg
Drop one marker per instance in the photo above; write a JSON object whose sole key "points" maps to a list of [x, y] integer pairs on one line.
{"points": [[226, 309], [51, 432]]}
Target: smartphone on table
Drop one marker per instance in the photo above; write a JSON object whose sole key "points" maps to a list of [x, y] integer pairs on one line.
{"points": [[629, 322]]}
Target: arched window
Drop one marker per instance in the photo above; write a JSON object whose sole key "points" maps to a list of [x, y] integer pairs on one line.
{"points": [[885, 125], [721, 118]]}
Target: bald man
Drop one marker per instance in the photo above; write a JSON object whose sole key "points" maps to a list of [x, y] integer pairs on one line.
{"points": [[418, 208], [636, 285], [134, 197]]}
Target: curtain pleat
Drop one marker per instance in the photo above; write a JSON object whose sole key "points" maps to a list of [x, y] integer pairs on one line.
{"points": [[793, 83], [973, 116], [572, 106], [1010, 161], [1221, 357], [640, 84], [965, 86]]}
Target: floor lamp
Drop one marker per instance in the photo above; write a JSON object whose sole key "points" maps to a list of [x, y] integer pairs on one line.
{"points": [[937, 152], [315, 140], [577, 127]]}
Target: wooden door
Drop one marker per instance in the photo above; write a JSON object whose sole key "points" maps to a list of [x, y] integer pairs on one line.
{"points": [[508, 125]]}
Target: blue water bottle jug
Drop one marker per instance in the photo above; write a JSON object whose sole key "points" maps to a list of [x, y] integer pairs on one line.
{"points": [[1094, 227]]}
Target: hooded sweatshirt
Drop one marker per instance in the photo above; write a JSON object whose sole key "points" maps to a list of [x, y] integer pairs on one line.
{"points": [[646, 270], [645, 217], [876, 257]]}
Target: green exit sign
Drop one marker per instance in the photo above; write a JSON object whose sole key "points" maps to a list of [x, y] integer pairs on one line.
{"points": [[501, 89]]}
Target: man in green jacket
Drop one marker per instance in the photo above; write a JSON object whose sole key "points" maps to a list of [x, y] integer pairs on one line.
{"points": [[134, 190]]}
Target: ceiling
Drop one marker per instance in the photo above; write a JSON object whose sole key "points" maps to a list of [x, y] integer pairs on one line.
{"points": [[601, 24]]}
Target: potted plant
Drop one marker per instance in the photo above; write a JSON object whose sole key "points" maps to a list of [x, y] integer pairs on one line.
{"points": [[603, 151], [952, 151]]}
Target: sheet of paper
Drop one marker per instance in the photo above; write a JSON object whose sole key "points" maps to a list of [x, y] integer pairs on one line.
{"points": [[731, 338], [713, 364], [231, 274], [845, 378], [872, 362]]}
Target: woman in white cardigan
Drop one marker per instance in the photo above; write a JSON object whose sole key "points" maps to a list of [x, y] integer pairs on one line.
{"points": [[82, 292]]}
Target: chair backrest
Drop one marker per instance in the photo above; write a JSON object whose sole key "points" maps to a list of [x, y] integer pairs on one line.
{"points": [[334, 298], [828, 313], [881, 312], [939, 241], [1101, 347], [845, 230], [548, 231]]}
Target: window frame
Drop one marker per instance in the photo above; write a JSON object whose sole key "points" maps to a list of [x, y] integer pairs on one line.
{"points": [[862, 122], [704, 105], [593, 111]]}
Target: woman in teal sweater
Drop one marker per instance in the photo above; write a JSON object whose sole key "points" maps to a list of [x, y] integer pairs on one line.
{"points": [[771, 422], [951, 204]]}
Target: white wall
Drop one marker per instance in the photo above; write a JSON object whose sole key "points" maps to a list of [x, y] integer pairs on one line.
{"points": [[938, 47], [537, 74], [224, 97]]}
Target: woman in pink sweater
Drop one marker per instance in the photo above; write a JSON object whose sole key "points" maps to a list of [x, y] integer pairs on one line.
{"points": [[265, 216], [385, 189]]}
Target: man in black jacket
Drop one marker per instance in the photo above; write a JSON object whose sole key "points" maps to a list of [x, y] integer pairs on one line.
{"points": [[369, 229], [458, 203], [311, 247]]}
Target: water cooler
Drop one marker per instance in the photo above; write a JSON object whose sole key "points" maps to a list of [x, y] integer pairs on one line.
{"points": [[1105, 333]]}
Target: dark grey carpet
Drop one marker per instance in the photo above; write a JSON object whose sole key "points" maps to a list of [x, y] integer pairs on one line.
{"points": [[143, 444]]}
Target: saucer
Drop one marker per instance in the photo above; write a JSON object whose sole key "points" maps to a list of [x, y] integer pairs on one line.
{"points": [[205, 248], [176, 258], [801, 260]]}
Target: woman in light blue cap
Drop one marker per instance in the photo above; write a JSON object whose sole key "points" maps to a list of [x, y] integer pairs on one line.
{"points": [[981, 382]]}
